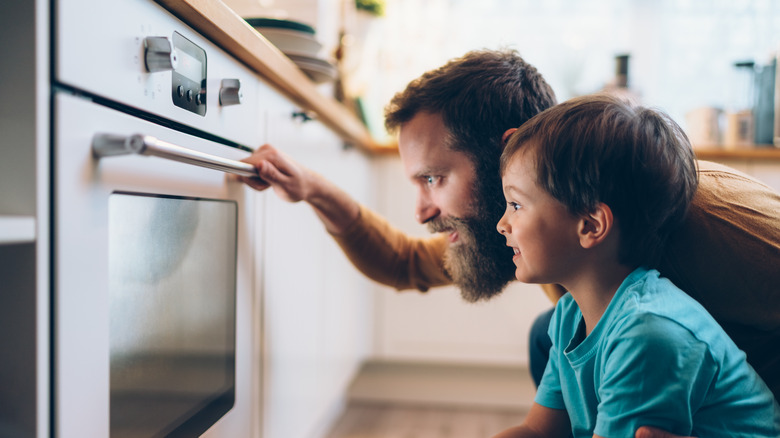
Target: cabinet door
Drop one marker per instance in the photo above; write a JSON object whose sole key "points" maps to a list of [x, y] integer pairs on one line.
{"points": [[317, 306]]}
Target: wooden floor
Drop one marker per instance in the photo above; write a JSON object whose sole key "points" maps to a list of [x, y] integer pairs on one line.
{"points": [[408, 400], [369, 420]]}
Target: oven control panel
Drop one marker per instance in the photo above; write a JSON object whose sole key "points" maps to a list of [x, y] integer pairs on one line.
{"points": [[188, 82], [187, 63], [153, 64]]}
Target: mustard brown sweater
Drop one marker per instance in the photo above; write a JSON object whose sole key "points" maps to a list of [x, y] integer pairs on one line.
{"points": [[726, 256]]}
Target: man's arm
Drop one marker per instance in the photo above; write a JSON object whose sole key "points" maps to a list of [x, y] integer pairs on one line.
{"points": [[379, 250], [542, 422], [293, 182]]}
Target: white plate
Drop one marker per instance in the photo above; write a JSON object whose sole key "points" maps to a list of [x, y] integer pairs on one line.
{"points": [[318, 69], [291, 40]]}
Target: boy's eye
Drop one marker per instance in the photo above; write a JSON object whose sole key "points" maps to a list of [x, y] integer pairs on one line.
{"points": [[514, 206]]}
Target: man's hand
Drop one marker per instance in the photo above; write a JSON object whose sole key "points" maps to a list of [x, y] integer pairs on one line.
{"points": [[289, 179], [293, 182], [654, 432]]}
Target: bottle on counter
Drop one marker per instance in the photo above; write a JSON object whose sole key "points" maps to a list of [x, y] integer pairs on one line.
{"points": [[620, 84], [764, 107], [739, 129]]}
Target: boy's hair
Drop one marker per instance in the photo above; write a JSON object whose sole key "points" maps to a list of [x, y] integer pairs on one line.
{"points": [[600, 148]]}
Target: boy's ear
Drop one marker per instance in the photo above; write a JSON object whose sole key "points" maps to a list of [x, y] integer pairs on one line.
{"points": [[595, 226]]}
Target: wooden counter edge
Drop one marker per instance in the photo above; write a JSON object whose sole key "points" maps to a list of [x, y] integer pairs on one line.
{"points": [[226, 29], [759, 152]]}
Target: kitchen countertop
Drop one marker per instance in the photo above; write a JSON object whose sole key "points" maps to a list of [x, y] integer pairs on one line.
{"points": [[224, 27], [216, 21]]}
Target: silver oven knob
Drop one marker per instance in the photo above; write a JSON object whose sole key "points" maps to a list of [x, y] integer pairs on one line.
{"points": [[230, 92], [159, 54]]}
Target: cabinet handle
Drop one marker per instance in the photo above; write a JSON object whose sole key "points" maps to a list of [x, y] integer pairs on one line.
{"points": [[105, 145]]}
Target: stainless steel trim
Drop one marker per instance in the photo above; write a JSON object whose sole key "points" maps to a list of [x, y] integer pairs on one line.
{"points": [[106, 145], [159, 54]]}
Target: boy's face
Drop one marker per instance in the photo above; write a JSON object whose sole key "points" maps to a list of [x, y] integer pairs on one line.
{"points": [[538, 227]]}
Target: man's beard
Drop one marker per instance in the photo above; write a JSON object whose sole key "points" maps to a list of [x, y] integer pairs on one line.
{"points": [[480, 264]]}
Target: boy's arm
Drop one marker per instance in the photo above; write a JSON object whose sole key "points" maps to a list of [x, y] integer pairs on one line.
{"points": [[542, 422], [654, 432], [546, 422]]}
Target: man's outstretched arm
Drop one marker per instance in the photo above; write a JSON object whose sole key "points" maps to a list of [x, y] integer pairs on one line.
{"points": [[379, 250], [293, 182]]}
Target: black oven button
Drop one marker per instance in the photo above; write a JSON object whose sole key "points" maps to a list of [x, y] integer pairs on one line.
{"points": [[188, 78]]}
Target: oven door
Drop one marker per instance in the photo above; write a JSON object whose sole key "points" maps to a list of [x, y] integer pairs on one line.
{"points": [[153, 286]]}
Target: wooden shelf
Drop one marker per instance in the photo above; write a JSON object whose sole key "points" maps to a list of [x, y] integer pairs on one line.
{"points": [[760, 152], [17, 229], [220, 24]]}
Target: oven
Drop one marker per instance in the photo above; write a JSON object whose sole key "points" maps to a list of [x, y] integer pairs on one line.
{"points": [[155, 304]]}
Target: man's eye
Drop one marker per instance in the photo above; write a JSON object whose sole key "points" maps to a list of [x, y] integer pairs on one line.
{"points": [[431, 179]]}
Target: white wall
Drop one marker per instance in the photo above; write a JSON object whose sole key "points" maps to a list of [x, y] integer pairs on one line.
{"points": [[682, 52]]}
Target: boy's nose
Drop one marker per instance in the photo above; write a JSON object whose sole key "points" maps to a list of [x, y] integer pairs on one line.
{"points": [[501, 226]]}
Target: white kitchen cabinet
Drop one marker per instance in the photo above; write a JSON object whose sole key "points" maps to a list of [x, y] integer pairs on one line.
{"points": [[24, 220], [317, 307]]}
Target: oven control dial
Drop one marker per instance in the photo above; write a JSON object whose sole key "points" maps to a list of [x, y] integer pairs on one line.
{"points": [[230, 92], [159, 54]]}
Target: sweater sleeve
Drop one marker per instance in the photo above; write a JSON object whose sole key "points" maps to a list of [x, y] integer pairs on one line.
{"points": [[391, 257]]}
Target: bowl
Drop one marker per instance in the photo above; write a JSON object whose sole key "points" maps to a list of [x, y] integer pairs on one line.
{"points": [[291, 41], [280, 24]]}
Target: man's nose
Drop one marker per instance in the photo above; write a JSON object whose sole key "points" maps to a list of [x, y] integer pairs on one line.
{"points": [[426, 210]]}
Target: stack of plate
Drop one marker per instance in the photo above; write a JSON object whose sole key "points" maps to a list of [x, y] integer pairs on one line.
{"points": [[296, 40]]}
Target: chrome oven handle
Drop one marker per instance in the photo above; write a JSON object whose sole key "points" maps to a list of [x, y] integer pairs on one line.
{"points": [[105, 145]]}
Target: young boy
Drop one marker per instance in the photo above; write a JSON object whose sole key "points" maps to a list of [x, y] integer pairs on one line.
{"points": [[593, 187]]}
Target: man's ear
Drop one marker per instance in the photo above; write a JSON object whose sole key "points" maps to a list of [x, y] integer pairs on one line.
{"points": [[594, 227], [508, 133]]}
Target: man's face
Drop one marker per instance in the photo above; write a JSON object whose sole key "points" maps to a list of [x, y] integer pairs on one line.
{"points": [[444, 179], [449, 200]]}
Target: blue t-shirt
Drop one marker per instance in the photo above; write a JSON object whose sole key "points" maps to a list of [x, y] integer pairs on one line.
{"points": [[655, 358]]}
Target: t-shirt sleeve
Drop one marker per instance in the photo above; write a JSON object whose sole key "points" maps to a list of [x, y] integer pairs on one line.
{"points": [[549, 394], [654, 372]]}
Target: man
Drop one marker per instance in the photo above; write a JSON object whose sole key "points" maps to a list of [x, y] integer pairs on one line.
{"points": [[451, 122]]}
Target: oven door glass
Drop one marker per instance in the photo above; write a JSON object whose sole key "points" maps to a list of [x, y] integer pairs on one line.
{"points": [[172, 297]]}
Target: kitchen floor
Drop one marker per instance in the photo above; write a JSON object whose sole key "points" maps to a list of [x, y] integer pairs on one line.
{"points": [[367, 420], [407, 400]]}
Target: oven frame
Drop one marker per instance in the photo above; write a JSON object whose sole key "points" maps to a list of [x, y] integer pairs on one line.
{"points": [[82, 184]]}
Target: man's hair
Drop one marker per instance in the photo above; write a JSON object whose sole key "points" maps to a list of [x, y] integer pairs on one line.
{"points": [[601, 148], [479, 96]]}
